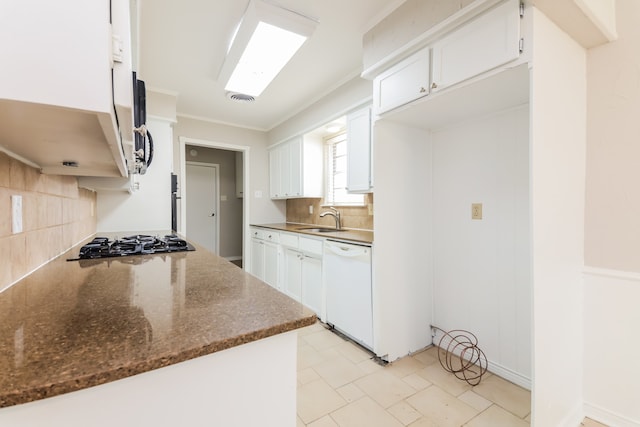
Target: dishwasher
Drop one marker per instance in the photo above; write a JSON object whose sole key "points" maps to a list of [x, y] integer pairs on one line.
{"points": [[347, 277]]}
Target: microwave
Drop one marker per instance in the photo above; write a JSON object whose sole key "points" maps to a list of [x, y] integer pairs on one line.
{"points": [[143, 144]]}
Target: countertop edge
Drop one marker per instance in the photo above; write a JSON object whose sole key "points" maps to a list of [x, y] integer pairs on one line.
{"points": [[124, 371], [351, 235]]}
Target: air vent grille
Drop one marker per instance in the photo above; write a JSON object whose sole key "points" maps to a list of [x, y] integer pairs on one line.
{"points": [[240, 97]]}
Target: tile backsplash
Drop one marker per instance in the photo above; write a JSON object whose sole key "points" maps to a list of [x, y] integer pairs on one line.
{"points": [[56, 215], [352, 216]]}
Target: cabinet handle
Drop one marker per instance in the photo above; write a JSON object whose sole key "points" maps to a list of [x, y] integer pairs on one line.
{"points": [[422, 89], [434, 85]]}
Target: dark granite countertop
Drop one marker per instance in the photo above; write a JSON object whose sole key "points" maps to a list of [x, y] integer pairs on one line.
{"points": [[347, 234], [72, 325]]}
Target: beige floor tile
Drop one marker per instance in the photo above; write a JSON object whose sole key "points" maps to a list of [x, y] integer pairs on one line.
{"points": [[495, 416], [317, 399], [350, 392], [325, 421], [322, 340], [353, 352], [405, 366], [364, 413], [509, 396], [307, 375], [588, 422], [404, 412], [308, 356], [475, 400], [416, 381], [316, 327], [427, 357], [299, 422], [445, 380], [338, 371], [440, 408], [369, 366], [385, 388]]}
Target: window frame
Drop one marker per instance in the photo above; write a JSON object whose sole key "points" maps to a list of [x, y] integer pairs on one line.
{"points": [[329, 153]]}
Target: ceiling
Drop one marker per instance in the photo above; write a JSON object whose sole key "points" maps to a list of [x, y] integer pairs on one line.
{"points": [[182, 46]]}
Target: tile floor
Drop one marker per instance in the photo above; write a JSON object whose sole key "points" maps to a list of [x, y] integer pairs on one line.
{"points": [[340, 386]]}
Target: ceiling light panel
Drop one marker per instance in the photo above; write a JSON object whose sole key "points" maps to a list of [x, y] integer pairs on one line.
{"points": [[266, 39]]}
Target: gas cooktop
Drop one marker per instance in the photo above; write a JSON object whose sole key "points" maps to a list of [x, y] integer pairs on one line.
{"points": [[140, 244]]}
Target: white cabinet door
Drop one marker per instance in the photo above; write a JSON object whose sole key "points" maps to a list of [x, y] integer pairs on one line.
{"points": [[271, 264], [489, 41], [292, 284], [295, 169], [359, 151], [404, 82], [275, 178], [311, 272], [295, 187], [257, 258]]}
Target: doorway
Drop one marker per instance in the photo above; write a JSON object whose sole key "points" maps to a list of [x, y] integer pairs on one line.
{"points": [[202, 187], [233, 209]]}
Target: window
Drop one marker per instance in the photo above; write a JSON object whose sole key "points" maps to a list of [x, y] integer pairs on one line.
{"points": [[336, 177]]}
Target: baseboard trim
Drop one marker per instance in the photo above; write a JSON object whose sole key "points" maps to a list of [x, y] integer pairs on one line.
{"points": [[607, 417], [233, 258]]}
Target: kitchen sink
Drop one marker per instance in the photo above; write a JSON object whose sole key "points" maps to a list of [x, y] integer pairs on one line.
{"points": [[319, 229]]}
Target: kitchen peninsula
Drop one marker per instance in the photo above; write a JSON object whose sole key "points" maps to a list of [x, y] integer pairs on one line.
{"points": [[183, 338]]}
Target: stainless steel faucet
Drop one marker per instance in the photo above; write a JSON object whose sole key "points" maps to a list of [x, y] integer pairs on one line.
{"points": [[334, 213]]}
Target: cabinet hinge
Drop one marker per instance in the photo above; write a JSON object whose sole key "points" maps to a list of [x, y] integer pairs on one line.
{"points": [[521, 9], [521, 45]]}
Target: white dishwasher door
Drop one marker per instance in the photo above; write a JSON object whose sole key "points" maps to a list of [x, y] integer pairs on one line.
{"points": [[347, 275]]}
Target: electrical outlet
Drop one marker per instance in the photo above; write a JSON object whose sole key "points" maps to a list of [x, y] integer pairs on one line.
{"points": [[310, 209], [16, 214], [476, 211]]}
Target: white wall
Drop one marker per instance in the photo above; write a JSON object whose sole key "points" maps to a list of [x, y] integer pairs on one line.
{"points": [[148, 209], [558, 141], [611, 371], [612, 282], [402, 300], [481, 268]]}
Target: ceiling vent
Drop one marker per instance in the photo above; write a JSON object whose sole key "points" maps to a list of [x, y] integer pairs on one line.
{"points": [[240, 97]]}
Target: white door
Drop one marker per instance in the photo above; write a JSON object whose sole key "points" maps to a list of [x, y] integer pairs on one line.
{"points": [[202, 205]]}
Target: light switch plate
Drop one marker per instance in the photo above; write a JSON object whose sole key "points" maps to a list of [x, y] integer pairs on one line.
{"points": [[16, 214]]}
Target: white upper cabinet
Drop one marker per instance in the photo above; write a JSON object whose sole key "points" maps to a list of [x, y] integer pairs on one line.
{"points": [[491, 40], [404, 82], [359, 152], [295, 168], [66, 69]]}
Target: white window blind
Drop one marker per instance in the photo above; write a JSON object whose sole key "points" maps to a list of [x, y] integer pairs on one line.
{"points": [[336, 186]]}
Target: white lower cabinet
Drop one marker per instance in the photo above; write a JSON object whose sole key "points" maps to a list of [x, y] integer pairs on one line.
{"points": [[292, 280], [302, 271], [265, 256], [319, 273]]}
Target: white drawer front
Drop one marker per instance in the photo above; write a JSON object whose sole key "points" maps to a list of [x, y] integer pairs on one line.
{"points": [[311, 246], [290, 240]]}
